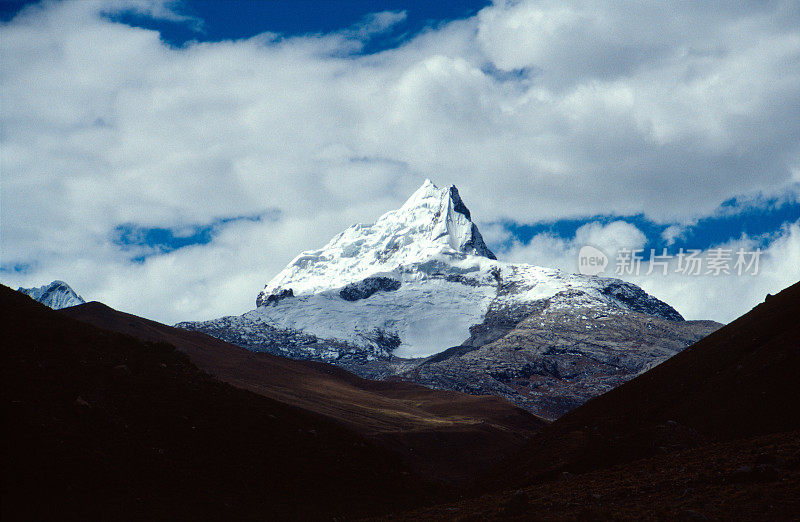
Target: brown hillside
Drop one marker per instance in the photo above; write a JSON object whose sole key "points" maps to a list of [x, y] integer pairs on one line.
{"points": [[102, 426], [447, 435]]}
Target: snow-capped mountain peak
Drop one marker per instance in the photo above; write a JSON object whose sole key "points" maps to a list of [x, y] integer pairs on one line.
{"points": [[419, 296], [414, 282], [443, 216], [56, 295], [451, 218], [432, 222]]}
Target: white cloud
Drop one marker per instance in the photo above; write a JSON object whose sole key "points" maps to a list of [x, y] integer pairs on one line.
{"points": [[720, 297], [726, 297], [536, 110], [553, 251], [672, 233], [377, 23]]}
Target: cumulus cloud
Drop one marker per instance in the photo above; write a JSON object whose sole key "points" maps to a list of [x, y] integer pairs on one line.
{"points": [[550, 250], [724, 297], [537, 110]]}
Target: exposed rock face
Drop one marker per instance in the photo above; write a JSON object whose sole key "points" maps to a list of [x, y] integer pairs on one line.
{"points": [[274, 297], [555, 359], [56, 295], [475, 244], [367, 287], [638, 300], [388, 299], [251, 333]]}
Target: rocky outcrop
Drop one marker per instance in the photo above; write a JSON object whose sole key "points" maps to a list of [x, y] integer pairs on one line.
{"points": [[557, 358], [638, 300], [274, 297], [367, 287]]}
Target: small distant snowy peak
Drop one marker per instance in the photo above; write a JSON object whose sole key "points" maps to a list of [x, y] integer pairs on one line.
{"points": [[433, 223], [56, 295]]}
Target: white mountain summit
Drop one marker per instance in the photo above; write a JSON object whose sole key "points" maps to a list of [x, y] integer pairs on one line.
{"points": [[433, 224], [414, 282]]}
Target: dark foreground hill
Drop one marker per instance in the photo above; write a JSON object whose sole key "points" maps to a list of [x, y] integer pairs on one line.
{"points": [[102, 426], [741, 381], [446, 435], [712, 433]]}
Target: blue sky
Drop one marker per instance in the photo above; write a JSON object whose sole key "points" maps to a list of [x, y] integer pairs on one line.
{"points": [[143, 242], [235, 19], [729, 223], [151, 144]]}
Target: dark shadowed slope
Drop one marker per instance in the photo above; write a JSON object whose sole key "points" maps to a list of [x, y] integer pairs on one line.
{"points": [[447, 435], [746, 479], [712, 433], [102, 426], [741, 381]]}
